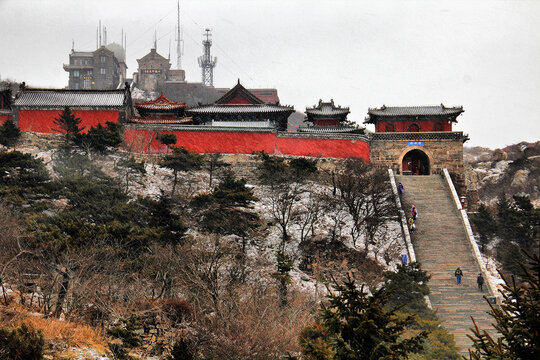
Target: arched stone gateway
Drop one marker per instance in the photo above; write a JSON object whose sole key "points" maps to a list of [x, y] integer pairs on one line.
{"points": [[415, 162]]}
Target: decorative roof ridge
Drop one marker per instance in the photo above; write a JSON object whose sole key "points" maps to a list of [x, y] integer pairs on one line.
{"points": [[327, 103]]}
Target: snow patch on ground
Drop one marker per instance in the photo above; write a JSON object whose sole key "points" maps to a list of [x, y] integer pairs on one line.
{"points": [[494, 277]]}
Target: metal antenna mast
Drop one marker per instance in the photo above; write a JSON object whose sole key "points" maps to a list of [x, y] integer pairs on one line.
{"points": [[179, 41], [206, 62]]}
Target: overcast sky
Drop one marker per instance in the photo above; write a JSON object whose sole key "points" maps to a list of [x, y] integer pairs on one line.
{"points": [[484, 55]]}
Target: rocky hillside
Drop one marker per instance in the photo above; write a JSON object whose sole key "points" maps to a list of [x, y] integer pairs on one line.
{"points": [[514, 169], [108, 243]]}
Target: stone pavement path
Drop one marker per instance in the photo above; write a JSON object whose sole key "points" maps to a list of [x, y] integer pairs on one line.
{"points": [[441, 245]]}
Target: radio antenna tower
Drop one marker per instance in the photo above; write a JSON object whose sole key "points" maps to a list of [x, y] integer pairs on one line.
{"points": [[179, 41], [206, 62]]}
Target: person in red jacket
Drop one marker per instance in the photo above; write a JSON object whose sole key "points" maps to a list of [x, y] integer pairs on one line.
{"points": [[414, 212]]}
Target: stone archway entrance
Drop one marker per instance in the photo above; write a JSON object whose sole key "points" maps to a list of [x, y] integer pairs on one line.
{"points": [[415, 162]]}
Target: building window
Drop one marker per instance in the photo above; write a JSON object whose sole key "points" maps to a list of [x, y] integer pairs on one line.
{"points": [[390, 128], [76, 85], [76, 73], [85, 62], [102, 71], [438, 127], [103, 59], [413, 128], [89, 72]]}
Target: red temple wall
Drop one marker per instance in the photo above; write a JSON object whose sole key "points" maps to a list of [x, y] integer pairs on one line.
{"points": [[425, 125], [4, 118], [43, 120], [246, 142]]}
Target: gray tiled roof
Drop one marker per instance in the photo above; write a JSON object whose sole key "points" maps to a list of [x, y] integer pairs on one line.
{"points": [[415, 110], [49, 98], [327, 108], [237, 109]]}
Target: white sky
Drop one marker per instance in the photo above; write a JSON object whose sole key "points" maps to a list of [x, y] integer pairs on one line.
{"points": [[484, 55]]}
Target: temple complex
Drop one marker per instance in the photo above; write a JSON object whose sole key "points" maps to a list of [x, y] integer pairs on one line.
{"points": [[327, 118], [240, 108]]}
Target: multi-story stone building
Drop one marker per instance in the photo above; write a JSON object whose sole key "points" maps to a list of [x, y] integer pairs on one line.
{"points": [[154, 70], [102, 69]]}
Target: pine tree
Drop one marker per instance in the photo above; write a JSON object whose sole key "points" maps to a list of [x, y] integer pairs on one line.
{"points": [[355, 325], [181, 160], [517, 320], [407, 288], [485, 226], [167, 140], [68, 124], [101, 137], [9, 133]]}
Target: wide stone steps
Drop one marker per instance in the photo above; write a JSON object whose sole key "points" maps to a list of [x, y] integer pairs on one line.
{"points": [[441, 245]]}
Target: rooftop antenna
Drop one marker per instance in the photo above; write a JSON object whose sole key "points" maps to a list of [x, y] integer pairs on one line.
{"points": [[169, 58], [72, 45], [206, 62], [104, 35], [179, 41], [155, 40], [125, 47], [99, 33]]}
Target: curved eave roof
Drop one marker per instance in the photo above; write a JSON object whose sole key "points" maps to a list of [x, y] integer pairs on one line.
{"points": [[240, 109], [160, 106], [327, 112]]}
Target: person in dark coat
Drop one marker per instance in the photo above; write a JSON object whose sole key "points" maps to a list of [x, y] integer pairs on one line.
{"points": [[458, 273], [401, 189], [480, 282]]}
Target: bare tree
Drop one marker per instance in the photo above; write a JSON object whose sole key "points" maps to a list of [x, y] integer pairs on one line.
{"points": [[366, 192], [213, 162], [309, 215]]}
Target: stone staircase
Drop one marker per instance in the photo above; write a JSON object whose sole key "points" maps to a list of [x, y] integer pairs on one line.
{"points": [[441, 245]]}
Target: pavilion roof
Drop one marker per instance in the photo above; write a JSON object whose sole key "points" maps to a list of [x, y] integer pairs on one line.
{"points": [[161, 103], [327, 109], [239, 100], [238, 91]]}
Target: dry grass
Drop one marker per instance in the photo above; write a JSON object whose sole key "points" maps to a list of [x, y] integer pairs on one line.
{"points": [[59, 335]]}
